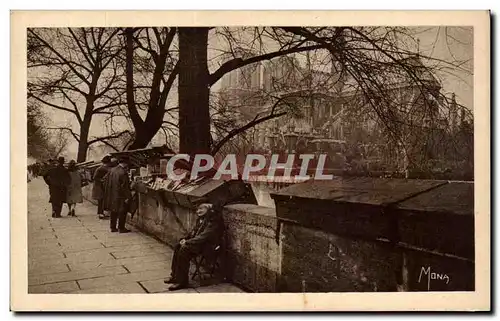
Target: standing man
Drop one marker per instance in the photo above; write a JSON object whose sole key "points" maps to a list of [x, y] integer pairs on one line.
{"points": [[58, 179], [117, 195], [98, 187]]}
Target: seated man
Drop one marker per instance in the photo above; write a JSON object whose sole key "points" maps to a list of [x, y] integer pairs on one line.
{"points": [[208, 231]]}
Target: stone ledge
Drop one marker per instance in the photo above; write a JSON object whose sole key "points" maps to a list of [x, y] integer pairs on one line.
{"points": [[251, 208], [433, 215], [250, 214]]}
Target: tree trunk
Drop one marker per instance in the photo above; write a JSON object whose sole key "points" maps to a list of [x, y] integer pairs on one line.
{"points": [[83, 143], [142, 138], [194, 116]]}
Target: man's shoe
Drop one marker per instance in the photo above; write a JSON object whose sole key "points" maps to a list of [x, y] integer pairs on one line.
{"points": [[177, 286], [170, 280], [124, 230], [113, 230], [101, 216]]}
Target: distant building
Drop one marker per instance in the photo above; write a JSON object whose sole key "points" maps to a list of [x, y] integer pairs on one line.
{"points": [[333, 116]]}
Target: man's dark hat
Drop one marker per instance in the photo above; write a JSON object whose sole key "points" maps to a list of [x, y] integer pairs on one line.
{"points": [[60, 160], [106, 159]]}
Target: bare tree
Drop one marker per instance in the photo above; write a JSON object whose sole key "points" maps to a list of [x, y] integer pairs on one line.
{"points": [[76, 70], [365, 60], [151, 70]]}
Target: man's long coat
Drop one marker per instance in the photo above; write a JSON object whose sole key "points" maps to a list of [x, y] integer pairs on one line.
{"points": [[116, 190], [98, 187], [208, 231], [58, 179]]}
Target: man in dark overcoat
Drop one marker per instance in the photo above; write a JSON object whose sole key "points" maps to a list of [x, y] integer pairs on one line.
{"points": [[98, 186], [206, 233], [58, 179], [117, 195]]}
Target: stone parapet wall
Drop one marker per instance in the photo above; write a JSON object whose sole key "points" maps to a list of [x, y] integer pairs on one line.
{"points": [[366, 234], [340, 236], [253, 258]]}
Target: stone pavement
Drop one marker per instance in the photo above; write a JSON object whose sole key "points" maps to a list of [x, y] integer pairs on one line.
{"points": [[80, 254]]}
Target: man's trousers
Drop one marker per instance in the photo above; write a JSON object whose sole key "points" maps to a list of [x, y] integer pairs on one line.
{"points": [[180, 264], [100, 206], [121, 217], [56, 209]]}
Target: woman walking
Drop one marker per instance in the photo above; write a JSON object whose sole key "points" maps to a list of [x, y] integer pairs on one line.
{"points": [[74, 188]]}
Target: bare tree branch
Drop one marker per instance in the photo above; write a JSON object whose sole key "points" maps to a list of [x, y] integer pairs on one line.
{"points": [[239, 62], [75, 135], [108, 137], [52, 105], [249, 125], [84, 51], [56, 52]]}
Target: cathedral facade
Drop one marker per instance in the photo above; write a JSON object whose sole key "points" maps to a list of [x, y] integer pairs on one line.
{"points": [[328, 114]]}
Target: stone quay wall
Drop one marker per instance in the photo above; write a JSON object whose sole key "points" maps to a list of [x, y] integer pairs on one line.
{"points": [[347, 235]]}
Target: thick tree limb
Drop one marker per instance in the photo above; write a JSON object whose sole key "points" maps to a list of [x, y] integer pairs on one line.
{"points": [[240, 130], [146, 49], [170, 37], [168, 86], [44, 64], [156, 95], [132, 108], [239, 62], [75, 106]]}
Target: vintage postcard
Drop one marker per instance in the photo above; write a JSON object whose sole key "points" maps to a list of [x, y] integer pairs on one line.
{"points": [[250, 161]]}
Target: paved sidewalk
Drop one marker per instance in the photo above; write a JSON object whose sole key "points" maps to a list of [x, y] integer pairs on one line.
{"points": [[80, 254]]}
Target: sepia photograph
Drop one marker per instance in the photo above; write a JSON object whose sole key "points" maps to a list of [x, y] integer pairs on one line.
{"points": [[268, 158]]}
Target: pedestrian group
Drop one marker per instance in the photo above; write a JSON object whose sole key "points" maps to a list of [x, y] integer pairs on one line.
{"points": [[113, 193], [111, 189]]}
